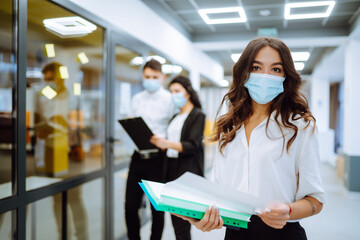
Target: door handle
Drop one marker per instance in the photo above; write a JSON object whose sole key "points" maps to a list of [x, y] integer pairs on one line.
{"points": [[114, 140]]}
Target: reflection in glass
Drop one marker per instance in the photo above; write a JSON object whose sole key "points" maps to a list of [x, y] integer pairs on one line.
{"points": [[6, 105], [41, 220], [86, 220], [64, 96], [77, 220], [85, 214], [120, 178], [5, 226], [126, 83]]}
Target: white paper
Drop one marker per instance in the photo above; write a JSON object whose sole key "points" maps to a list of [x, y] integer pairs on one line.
{"points": [[194, 188], [156, 188]]}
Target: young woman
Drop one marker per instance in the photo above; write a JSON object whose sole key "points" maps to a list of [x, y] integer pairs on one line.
{"points": [[184, 141], [268, 145]]}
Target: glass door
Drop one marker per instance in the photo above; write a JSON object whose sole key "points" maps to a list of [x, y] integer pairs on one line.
{"points": [[125, 83]]}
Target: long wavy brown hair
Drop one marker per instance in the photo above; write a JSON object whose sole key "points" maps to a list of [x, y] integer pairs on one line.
{"points": [[289, 105]]}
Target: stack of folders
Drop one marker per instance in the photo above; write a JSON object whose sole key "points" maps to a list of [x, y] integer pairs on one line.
{"points": [[190, 195]]}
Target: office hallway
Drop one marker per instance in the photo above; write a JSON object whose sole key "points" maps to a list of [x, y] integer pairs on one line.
{"points": [[339, 219]]}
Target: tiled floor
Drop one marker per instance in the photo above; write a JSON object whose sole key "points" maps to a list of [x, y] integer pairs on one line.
{"points": [[339, 219]]}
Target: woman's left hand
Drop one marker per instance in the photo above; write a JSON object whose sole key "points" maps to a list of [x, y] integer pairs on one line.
{"points": [[275, 216], [158, 141]]}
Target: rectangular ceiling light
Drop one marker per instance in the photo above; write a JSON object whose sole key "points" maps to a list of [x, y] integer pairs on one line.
{"points": [[235, 56], [50, 50], [48, 92], [69, 26], [204, 13], [138, 60], [171, 69], [64, 73], [289, 6], [299, 65], [83, 58], [77, 89], [224, 83], [300, 56]]}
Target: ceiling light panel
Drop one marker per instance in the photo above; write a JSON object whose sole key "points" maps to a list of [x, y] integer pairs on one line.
{"points": [[48, 92], [300, 56], [138, 60], [77, 89], [50, 50], [235, 56], [169, 69], [299, 66], [69, 26], [308, 5], [208, 15], [83, 58]]}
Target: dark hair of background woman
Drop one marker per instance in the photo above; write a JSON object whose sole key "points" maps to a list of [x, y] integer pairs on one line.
{"points": [[289, 104], [186, 83]]}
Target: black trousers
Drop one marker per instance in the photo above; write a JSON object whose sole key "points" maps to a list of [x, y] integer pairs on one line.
{"points": [[258, 230], [181, 227], [149, 169]]}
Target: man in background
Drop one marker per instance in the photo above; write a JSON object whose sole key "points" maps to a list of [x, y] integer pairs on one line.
{"points": [[51, 123], [154, 105]]}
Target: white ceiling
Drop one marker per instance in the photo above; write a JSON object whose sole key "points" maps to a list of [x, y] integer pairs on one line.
{"points": [[319, 36]]}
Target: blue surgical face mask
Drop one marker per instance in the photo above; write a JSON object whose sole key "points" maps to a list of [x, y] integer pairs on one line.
{"points": [[179, 99], [152, 85], [263, 88]]}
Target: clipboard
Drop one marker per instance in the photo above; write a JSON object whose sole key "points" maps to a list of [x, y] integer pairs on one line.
{"points": [[140, 133]]}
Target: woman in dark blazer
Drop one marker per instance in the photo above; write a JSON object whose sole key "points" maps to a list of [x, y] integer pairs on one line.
{"points": [[184, 148]]}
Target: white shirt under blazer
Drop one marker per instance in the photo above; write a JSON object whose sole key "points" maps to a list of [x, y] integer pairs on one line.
{"points": [[263, 168], [174, 133]]}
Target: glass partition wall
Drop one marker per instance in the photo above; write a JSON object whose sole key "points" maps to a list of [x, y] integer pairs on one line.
{"points": [[63, 155], [65, 94], [7, 111], [8, 114], [65, 105]]}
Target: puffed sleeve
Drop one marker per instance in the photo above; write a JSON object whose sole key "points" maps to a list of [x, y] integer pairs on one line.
{"points": [[308, 165]]}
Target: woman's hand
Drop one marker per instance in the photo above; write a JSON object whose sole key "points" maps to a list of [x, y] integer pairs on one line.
{"points": [[209, 222], [158, 141], [275, 216]]}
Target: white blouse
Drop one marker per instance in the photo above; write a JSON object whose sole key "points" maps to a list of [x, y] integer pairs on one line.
{"points": [[174, 133], [263, 168]]}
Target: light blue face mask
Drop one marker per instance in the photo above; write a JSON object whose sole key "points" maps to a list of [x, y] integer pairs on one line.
{"points": [[263, 88], [179, 99], [152, 85]]}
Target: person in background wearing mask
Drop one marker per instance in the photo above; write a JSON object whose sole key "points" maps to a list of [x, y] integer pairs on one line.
{"points": [[154, 105], [51, 119], [52, 126], [184, 148], [268, 145]]}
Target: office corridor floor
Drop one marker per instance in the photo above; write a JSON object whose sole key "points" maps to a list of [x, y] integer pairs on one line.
{"points": [[339, 219]]}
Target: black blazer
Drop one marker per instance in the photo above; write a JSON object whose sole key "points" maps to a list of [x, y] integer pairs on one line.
{"points": [[192, 157]]}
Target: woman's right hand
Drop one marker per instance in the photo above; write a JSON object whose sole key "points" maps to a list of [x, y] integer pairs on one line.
{"points": [[158, 141], [209, 222]]}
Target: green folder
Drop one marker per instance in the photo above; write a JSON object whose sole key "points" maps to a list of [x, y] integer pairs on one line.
{"points": [[189, 208]]}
